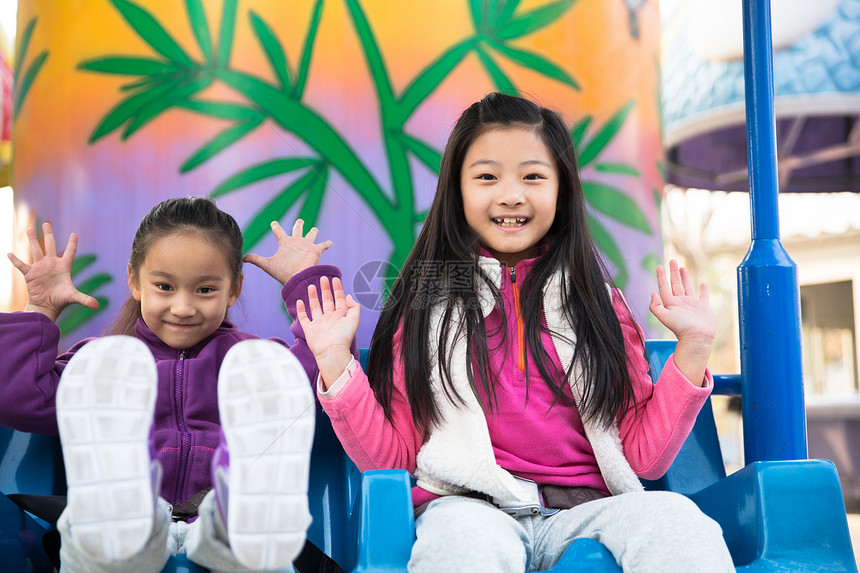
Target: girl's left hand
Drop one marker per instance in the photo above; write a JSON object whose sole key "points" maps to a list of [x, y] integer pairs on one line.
{"points": [[688, 316], [329, 327], [678, 307], [295, 252]]}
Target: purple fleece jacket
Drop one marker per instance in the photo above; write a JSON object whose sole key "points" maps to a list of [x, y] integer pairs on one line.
{"points": [[186, 425]]}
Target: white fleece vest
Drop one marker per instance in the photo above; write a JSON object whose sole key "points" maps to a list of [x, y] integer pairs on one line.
{"points": [[458, 456]]}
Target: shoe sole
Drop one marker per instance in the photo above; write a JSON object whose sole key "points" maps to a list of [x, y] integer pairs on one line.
{"points": [[105, 403], [267, 416]]}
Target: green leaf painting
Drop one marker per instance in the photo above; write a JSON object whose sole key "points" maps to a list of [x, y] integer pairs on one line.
{"points": [[530, 22], [604, 198], [277, 208], [274, 51], [22, 79], [175, 76], [76, 316]]}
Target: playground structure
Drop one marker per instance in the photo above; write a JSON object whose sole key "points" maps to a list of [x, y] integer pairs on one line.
{"points": [[781, 512]]}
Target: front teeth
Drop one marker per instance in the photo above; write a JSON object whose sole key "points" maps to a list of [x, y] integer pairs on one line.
{"points": [[510, 221]]}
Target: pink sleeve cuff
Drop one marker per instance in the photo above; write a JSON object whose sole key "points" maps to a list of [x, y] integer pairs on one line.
{"points": [[676, 376], [338, 384]]}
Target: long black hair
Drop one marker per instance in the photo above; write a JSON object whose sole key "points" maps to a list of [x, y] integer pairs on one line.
{"points": [[447, 239], [181, 215]]}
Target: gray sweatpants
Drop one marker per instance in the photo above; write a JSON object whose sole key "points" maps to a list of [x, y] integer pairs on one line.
{"points": [[204, 541], [644, 531]]}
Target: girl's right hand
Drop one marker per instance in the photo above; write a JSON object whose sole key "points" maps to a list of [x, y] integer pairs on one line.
{"points": [[330, 329], [49, 278]]}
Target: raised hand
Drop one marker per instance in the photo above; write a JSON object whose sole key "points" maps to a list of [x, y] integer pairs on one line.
{"points": [[295, 252], [688, 316], [49, 278], [330, 328]]}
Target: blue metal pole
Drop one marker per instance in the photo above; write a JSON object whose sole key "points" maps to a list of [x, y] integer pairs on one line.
{"points": [[772, 391]]}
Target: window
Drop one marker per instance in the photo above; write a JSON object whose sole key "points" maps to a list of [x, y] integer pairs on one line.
{"points": [[829, 340]]}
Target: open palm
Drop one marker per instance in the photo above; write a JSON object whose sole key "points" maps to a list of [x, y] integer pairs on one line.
{"points": [[678, 306], [295, 253], [48, 279], [329, 327]]}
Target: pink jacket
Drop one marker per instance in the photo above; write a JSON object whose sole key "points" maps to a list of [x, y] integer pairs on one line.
{"points": [[458, 456]]}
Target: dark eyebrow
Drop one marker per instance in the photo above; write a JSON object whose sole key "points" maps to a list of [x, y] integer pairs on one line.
{"points": [[204, 278], [535, 162], [526, 163], [484, 162]]}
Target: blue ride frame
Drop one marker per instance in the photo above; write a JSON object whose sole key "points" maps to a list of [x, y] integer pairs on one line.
{"points": [[773, 409]]}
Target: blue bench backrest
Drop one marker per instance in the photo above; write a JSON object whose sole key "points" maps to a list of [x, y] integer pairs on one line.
{"points": [[699, 462], [332, 494], [30, 463]]}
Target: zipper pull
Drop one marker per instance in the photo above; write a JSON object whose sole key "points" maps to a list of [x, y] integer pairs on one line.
{"points": [[182, 355], [513, 274]]}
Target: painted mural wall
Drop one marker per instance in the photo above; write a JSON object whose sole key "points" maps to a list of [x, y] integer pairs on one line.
{"points": [[333, 111]]}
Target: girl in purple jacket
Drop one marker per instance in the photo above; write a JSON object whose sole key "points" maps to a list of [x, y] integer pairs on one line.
{"points": [[508, 376], [160, 424]]}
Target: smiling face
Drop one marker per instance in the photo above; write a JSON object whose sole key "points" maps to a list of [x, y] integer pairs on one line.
{"points": [[509, 183], [184, 287]]}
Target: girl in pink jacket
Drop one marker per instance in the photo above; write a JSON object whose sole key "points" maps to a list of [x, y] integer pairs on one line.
{"points": [[508, 376]]}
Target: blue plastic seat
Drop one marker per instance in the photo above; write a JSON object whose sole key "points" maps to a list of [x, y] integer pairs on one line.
{"points": [[33, 464], [775, 516]]}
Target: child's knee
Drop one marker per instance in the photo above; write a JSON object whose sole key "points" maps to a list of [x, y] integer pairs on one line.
{"points": [[666, 509], [455, 515], [670, 500]]}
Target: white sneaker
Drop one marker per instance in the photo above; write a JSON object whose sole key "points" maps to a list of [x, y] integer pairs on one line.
{"points": [[260, 470], [105, 403]]}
